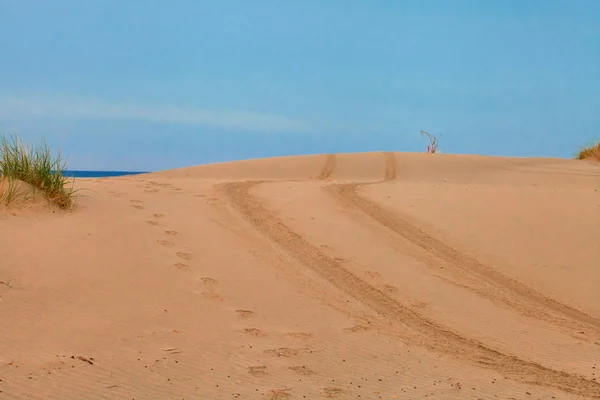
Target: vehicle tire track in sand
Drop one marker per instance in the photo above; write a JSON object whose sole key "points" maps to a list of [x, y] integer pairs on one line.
{"points": [[328, 167], [390, 166], [430, 334], [401, 225]]}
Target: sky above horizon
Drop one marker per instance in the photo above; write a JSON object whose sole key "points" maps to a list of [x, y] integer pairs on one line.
{"points": [[150, 85]]}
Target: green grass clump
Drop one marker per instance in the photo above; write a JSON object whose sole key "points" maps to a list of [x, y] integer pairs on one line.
{"points": [[590, 153], [37, 167], [9, 190]]}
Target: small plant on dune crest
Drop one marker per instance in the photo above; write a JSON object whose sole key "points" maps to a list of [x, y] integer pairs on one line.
{"points": [[433, 143], [37, 167], [590, 153]]}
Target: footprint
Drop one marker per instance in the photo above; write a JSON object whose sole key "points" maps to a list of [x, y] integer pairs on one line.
{"points": [[257, 370], [159, 215], [331, 392], [280, 394], [255, 332], [302, 370], [138, 206], [171, 233], [185, 256], [165, 243], [153, 223], [244, 313], [212, 296], [136, 201], [580, 335], [210, 282], [300, 335], [282, 352], [181, 265], [357, 328]]}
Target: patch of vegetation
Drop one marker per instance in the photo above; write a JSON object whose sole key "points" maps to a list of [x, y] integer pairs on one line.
{"points": [[432, 147], [37, 167], [8, 190], [590, 153]]}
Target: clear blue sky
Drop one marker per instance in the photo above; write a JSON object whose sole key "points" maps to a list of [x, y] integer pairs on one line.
{"points": [[148, 84]]}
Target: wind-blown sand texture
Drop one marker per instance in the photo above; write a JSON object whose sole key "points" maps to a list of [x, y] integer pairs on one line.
{"points": [[372, 275]]}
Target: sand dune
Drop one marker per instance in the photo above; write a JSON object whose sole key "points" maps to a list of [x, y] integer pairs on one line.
{"points": [[372, 275]]}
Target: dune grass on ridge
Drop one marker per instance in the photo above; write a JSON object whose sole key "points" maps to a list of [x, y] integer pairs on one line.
{"points": [[37, 167], [590, 153]]}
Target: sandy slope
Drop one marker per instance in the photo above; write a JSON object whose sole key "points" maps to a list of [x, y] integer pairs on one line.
{"points": [[351, 276]]}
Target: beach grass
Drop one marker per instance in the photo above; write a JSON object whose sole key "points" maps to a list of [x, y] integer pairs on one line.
{"points": [[8, 190], [37, 167], [590, 153]]}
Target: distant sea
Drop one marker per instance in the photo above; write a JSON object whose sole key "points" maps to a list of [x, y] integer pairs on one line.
{"points": [[98, 174]]}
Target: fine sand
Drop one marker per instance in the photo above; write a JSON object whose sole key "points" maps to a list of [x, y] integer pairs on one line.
{"points": [[351, 276]]}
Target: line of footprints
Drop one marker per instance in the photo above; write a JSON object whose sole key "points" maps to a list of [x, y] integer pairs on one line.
{"points": [[211, 285], [184, 257]]}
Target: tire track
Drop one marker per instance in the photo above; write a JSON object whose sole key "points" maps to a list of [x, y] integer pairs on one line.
{"points": [[328, 167], [431, 334], [390, 166], [514, 292]]}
